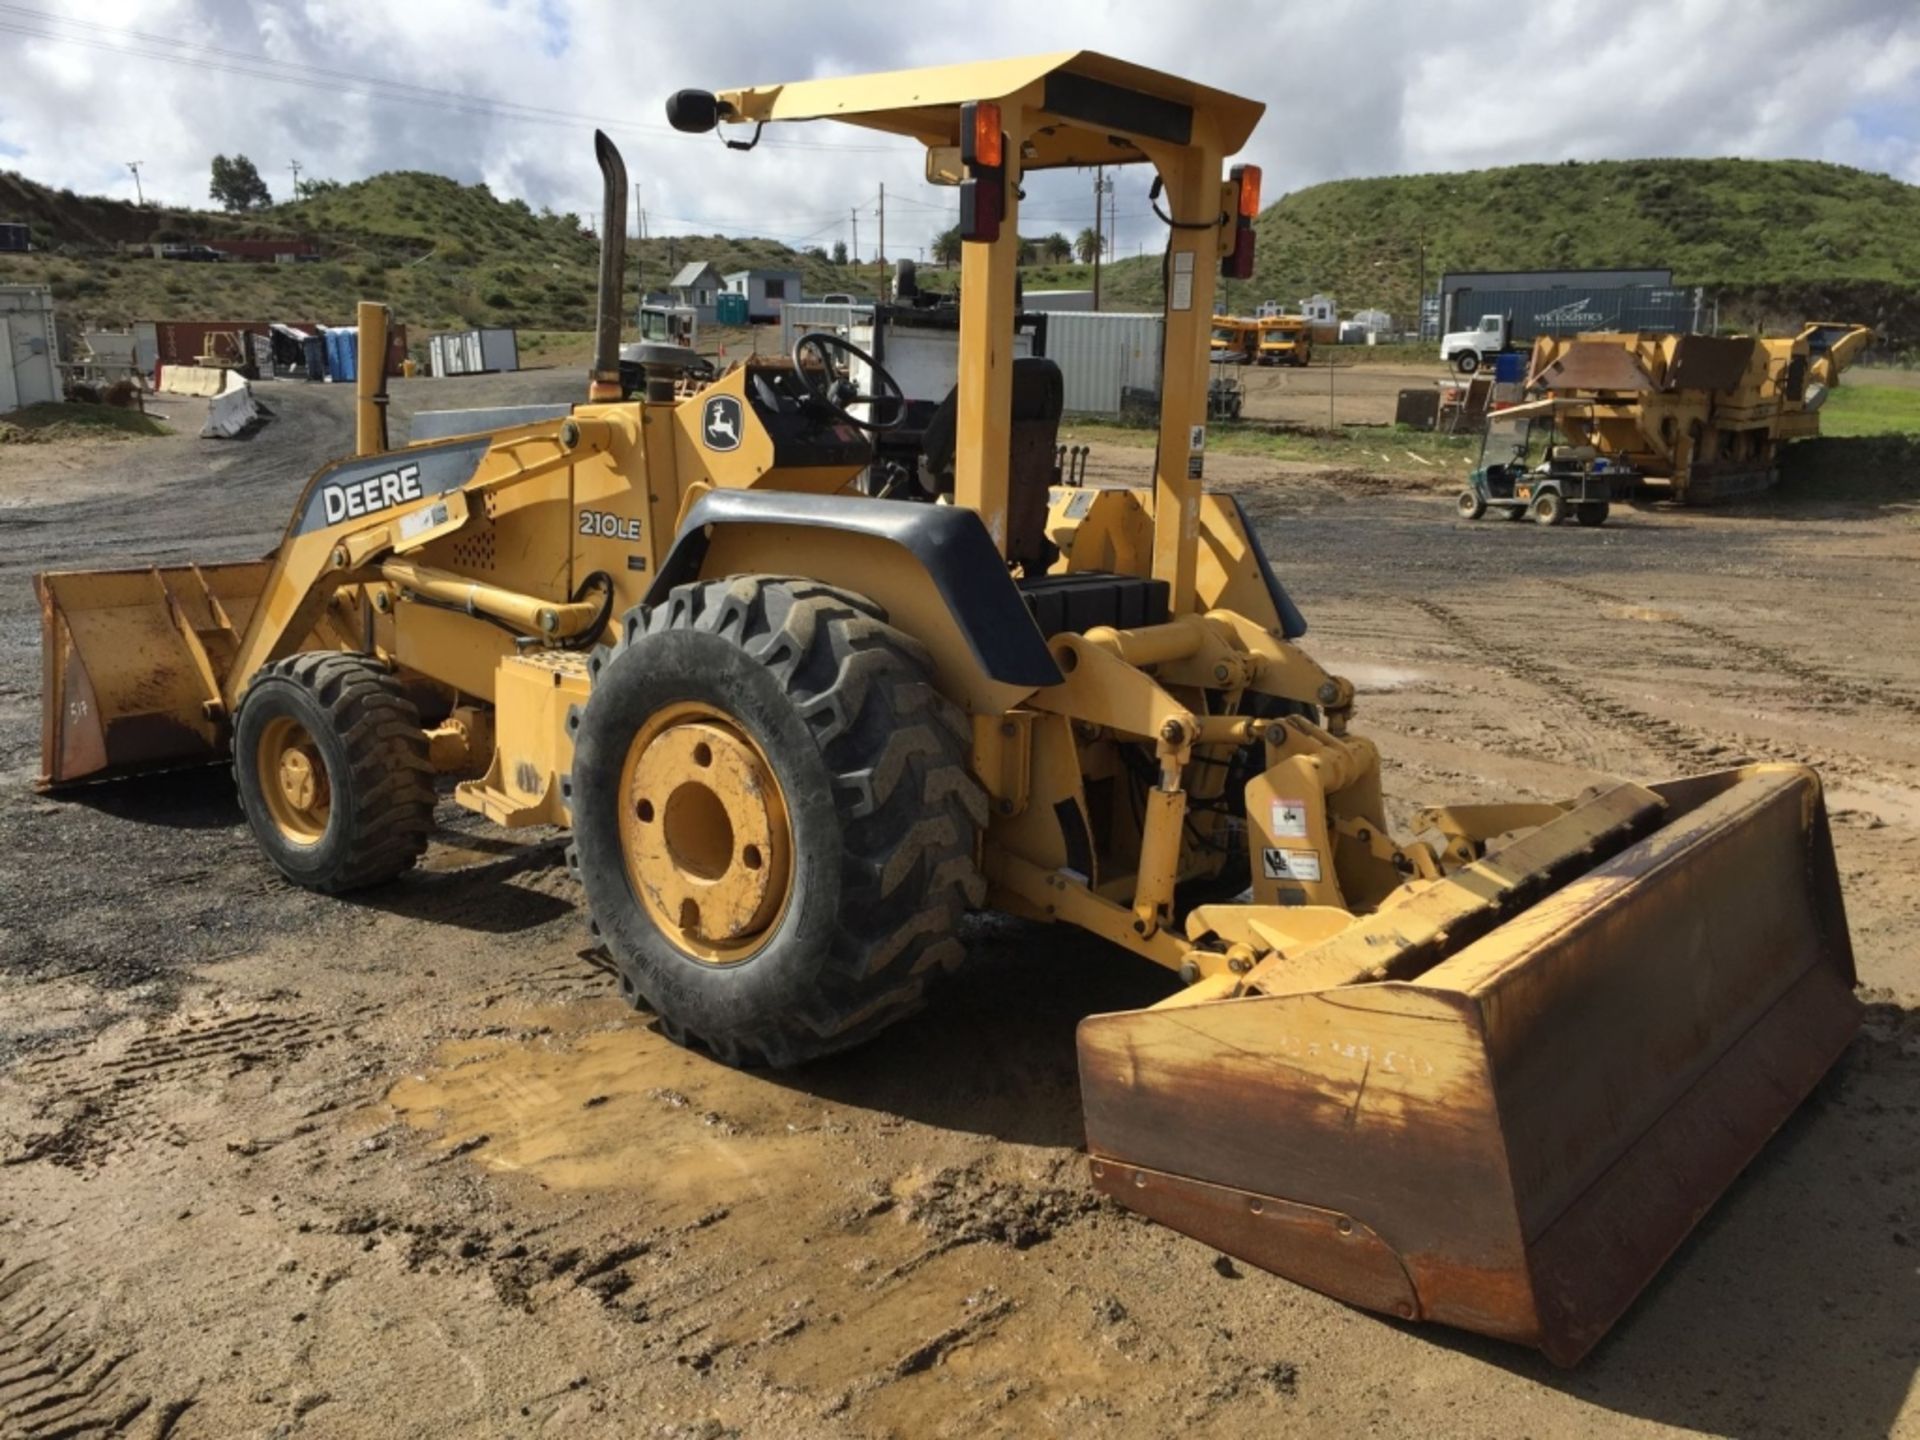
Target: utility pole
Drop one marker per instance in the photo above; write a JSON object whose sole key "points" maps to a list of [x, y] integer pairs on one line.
{"points": [[294, 165], [1100, 191], [639, 259], [140, 196], [1113, 218], [853, 216], [882, 257]]}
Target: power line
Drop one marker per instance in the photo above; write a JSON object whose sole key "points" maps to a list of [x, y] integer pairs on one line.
{"points": [[288, 72]]}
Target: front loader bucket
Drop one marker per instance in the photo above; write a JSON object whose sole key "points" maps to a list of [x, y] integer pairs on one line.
{"points": [[1515, 1140], [133, 663]]}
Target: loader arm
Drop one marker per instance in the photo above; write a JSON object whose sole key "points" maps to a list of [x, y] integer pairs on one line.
{"points": [[424, 494]]}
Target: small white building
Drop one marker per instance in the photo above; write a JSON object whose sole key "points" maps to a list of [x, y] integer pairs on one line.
{"points": [[1320, 310], [1374, 322], [29, 348], [767, 292], [697, 285]]}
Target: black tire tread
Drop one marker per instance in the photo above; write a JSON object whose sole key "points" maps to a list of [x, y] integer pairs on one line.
{"points": [[392, 778], [898, 754]]}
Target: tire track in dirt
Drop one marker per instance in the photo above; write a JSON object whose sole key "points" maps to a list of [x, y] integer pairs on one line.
{"points": [[1684, 746], [98, 1106], [56, 1378], [1770, 656]]}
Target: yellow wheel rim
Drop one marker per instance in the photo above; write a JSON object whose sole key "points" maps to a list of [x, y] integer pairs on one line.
{"points": [[705, 833], [293, 780]]}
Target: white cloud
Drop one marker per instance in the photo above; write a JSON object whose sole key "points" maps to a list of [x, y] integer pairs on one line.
{"points": [[1366, 87]]}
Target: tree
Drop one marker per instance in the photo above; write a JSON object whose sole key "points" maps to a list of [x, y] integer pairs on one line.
{"points": [[307, 189], [237, 185], [1056, 247], [839, 252], [1029, 251], [1087, 245], [946, 246]]}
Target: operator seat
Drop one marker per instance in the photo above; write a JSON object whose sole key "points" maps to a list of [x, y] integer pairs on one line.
{"points": [[1039, 395]]}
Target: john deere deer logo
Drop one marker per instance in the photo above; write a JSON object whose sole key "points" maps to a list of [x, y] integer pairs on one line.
{"points": [[720, 423]]}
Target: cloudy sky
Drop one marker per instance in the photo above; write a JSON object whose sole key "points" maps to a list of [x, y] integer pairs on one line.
{"points": [[508, 91]]}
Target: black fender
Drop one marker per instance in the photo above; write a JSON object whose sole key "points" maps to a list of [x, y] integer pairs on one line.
{"points": [[949, 543]]}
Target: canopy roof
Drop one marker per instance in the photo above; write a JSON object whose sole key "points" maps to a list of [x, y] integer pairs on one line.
{"points": [[1092, 109]]}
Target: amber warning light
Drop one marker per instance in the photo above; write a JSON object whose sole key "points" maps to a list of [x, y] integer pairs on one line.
{"points": [[983, 194], [1237, 263]]}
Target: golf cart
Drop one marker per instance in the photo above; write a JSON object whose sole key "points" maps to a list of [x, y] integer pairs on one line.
{"points": [[1528, 468], [1225, 393]]}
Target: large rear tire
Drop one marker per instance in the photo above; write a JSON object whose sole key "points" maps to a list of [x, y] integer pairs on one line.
{"points": [[332, 769], [773, 817], [1591, 512]]}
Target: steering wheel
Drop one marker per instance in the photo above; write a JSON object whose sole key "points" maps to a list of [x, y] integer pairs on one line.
{"points": [[825, 383]]}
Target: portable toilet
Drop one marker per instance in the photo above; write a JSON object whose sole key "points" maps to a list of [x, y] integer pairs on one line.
{"points": [[343, 346], [729, 309]]}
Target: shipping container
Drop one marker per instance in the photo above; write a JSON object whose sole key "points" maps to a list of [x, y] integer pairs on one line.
{"points": [[803, 317], [28, 338], [473, 352], [184, 342], [1569, 310], [14, 237], [1103, 354]]}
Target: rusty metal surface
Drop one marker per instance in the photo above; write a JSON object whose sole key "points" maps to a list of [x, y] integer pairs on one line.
{"points": [[1371, 1101], [1595, 1259], [1535, 1124], [1709, 362], [1593, 365], [1330, 1252]]}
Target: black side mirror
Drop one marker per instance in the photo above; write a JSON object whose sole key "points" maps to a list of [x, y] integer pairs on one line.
{"points": [[693, 111]]}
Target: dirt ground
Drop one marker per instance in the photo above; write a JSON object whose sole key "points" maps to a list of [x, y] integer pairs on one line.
{"points": [[402, 1164], [1333, 391]]}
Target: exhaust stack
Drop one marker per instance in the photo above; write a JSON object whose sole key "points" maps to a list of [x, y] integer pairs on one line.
{"points": [[370, 380], [605, 381]]}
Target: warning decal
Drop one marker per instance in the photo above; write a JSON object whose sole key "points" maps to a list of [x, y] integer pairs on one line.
{"points": [[1302, 865], [1289, 820]]}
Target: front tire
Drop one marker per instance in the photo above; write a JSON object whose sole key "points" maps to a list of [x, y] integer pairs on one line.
{"points": [[830, 755], [1466, 362], [332, 769], [1471, 504]]}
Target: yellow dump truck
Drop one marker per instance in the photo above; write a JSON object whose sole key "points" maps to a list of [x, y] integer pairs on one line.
{"points": [[1489, 1072], [1698, 417]]}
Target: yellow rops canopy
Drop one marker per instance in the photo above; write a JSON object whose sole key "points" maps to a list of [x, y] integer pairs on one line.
{"points": [[1090, 109]]}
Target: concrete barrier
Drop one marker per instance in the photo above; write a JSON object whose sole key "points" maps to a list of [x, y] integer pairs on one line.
{"points": [[193, 379], [231, 411]]}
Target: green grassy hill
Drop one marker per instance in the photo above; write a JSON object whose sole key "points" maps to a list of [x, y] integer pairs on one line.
{"points": [[1778, 241], [441, 253]]}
